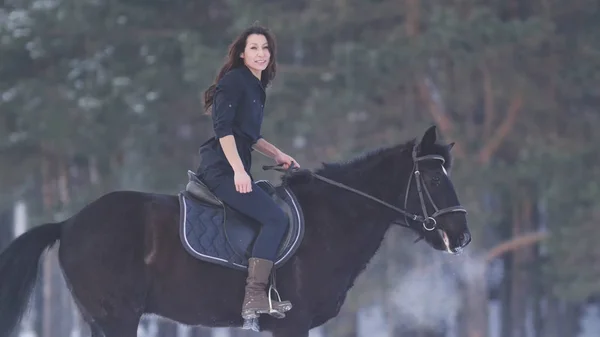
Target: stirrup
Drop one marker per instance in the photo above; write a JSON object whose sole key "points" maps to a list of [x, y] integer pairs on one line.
{"points": [[252, 314], [272, 311], [249, 315]]}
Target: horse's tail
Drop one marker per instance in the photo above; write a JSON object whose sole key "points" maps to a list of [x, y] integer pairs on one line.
{"points": [[18, 272]]}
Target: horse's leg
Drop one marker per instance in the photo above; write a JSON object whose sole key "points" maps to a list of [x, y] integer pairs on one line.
{"points": [[118, 327], [112, 307], [296, 324], [290, 331], [96, 330], [101, 255]]}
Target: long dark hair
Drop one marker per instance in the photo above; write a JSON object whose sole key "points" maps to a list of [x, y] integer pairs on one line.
{"points": [[236, 48]]}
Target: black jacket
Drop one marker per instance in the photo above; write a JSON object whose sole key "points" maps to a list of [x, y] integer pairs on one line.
{"points": [[237, 110]]}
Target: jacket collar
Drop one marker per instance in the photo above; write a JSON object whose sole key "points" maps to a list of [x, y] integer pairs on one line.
{"points": [[249, 73]]}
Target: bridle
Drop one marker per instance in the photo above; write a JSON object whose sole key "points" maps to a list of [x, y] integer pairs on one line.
{"points": [[426, 219], [429, 221]]}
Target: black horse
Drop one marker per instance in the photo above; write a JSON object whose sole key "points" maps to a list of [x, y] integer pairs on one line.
{"points": [[127, 254]]}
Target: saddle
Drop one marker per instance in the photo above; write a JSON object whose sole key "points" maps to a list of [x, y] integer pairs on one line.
{"points": [[212, 231]]}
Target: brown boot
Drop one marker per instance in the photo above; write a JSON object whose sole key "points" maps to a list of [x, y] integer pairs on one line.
{"points": [[256, 300]]}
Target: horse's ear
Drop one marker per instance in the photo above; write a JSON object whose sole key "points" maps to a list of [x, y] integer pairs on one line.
{"points": [[430, 136], [450, 146]]}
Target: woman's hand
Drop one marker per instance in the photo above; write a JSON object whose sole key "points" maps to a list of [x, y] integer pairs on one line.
{"points": [[282, 158], [243, 183]]}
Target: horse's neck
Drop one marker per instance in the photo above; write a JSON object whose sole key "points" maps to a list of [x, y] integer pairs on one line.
{"points": [[351, 226], [355, 248], [345, 243]]}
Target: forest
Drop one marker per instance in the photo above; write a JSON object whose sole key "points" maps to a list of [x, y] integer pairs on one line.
{"points": [[100, 95]]}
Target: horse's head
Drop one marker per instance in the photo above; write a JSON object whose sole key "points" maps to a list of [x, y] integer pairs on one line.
{"points": [[430, 195]]}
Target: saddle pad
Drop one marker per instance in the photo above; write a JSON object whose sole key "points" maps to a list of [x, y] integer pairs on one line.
{"points": [[206, 236], [203, 234]]}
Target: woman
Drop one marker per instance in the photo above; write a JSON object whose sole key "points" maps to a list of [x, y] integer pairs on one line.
{"points": [[237, 99]]}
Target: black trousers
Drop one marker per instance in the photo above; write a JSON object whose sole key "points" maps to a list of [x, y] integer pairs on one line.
{"points": [[257, 205]]}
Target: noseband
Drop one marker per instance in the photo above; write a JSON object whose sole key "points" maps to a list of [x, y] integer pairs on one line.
{"points": [[429, 222]]}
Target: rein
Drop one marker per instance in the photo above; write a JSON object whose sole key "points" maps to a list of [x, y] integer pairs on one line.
{"points": [[428, 221]]}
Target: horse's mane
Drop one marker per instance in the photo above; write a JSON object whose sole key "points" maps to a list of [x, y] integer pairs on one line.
{"points": [[368, 161]]}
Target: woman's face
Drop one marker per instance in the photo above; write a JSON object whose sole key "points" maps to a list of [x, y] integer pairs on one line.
{"points": [[256, 54]]}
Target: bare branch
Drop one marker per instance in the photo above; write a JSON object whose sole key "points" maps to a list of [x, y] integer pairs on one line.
{"points": [[441, 119], [514, 244], [412, 18], [503, 130], [488, 97]]}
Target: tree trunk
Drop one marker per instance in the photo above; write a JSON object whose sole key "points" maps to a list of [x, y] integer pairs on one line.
{"points": [[48, 193], [571, 319], [476, 303], [516, 281], [6, 227], [474, 314], [538, 284], [521, 266]]}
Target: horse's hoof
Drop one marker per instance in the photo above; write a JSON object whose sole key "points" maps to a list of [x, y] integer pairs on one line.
{"points": [[251, 324]]}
